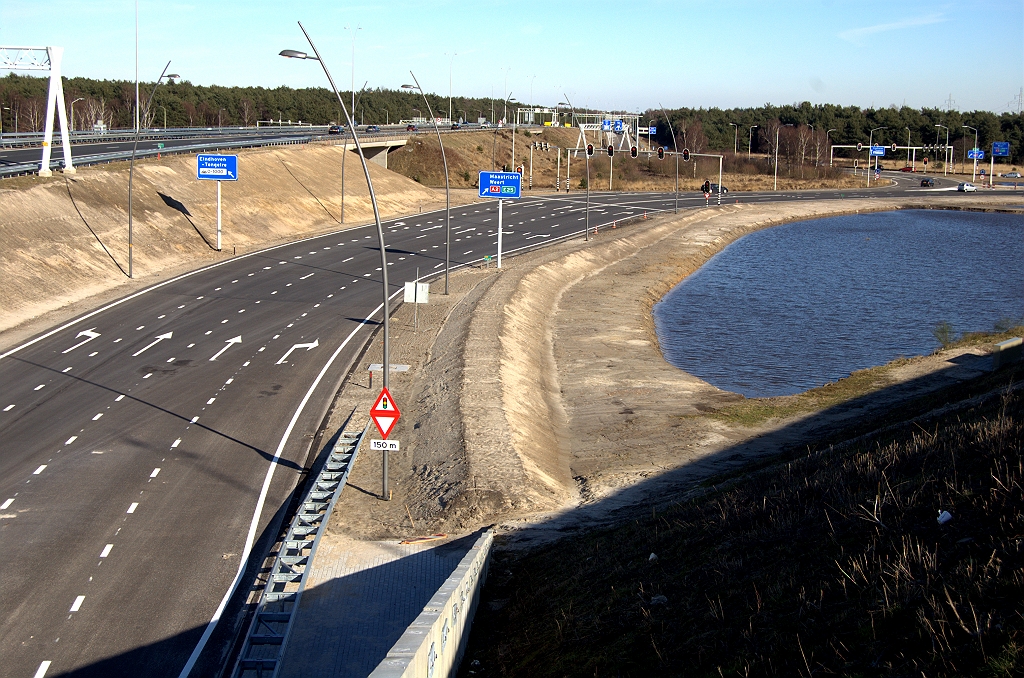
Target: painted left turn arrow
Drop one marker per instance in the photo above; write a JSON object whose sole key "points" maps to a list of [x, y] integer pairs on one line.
{"points": [[159, 338], [236, 340], [84, 333], [284, 358]]}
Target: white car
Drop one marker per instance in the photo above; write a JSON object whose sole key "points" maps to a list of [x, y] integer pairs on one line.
{"points": [[966, 187], [1012, 175]]}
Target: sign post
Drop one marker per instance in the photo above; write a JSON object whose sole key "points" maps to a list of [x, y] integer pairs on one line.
{"points": [[500, 185], [1001, 149], [217, 168], [385, 414], [417, 293]]}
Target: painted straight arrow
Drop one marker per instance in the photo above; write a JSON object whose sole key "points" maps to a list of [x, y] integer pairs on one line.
{"points": [[236, 340], [84, 333], [284, 358], [159, 338]]}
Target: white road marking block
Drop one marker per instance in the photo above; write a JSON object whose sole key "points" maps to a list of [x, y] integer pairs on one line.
{"points": [[135, 505], [176, 443], [43, 668], [155, 473], [106, 550], [7, 504], [119, 398], [39, 470], [97, 416], [77, 605]]}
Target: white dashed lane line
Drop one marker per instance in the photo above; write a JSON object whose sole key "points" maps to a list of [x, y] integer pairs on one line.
{"points": [[77, 605], [7, 504], [8, 408], [106, 550], [131, 509]]}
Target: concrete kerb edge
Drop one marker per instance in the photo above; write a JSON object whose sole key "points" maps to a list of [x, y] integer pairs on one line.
{"points": [[433, 645]]}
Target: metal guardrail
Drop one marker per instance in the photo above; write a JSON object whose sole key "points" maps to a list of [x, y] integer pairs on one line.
{"points": [[271, 625]]}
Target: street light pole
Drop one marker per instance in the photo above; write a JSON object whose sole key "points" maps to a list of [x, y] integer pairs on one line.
{"points": [[451, 64], [447, 188], [945, 149], [376, 218], [974, 172], [494, 140], [750, 139], [871, 144], [72, 113], [735, 137], [908, 145], [827, 132], [777, 130], [131, 169], [586, 156], [675, 151]]}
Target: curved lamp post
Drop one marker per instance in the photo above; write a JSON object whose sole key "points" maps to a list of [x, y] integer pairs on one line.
{"points": [[294, 54], [447, 187], [750, 139], [827, 132], [494, 140], [587, 157], [131, 166], [871, 138], [975, 171], [945, 149], [675, 150], [73, 112]]}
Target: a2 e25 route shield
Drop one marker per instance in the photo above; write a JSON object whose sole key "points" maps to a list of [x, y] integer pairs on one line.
{"points": [[501, 185]]}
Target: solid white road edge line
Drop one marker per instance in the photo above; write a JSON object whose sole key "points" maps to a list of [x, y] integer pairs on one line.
{"points": [[251, 537]]}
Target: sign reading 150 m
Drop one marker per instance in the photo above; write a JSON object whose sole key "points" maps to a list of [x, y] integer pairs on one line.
{"points": [[500, 184]]}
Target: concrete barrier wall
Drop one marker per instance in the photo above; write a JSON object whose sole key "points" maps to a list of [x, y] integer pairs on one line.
{"points": [[1006, 352], [434, 643]]}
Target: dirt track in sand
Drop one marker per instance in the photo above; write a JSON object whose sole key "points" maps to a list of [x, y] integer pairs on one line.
{"points": [[540, 390]]}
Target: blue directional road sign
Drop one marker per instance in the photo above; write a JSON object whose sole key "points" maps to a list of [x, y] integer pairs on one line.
{"points": [[606, 125], [976, 154], [618, 127], [878, 150], [501, 185], [217, 167], [1000, 149], [653, 130]]}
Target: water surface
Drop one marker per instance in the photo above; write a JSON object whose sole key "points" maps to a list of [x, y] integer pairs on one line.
{"points": [[792, 307]]}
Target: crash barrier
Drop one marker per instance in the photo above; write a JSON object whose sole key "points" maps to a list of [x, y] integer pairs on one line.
{"points": [[434, 643], [1006, 352]]}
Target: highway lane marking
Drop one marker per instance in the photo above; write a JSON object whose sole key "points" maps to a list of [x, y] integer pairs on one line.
{"points": [[176, 443], [347, 260], [97, 417], [135, 505], [155, 473], [170, 360], [39, 387], [94, 354], [158, 339], [194, 419], [106, 550], [39, 470], [43, 668], [65, 370], [307, 276], [8, 408], [119, 398], [70, 440], [6, 504], [148, 376], [77, 605], [90, 334], [210, 401]]}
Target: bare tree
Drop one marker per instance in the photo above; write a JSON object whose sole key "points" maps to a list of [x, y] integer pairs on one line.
{"points": [[246, 105], [803, 141], [769, 134], [34, 112]]}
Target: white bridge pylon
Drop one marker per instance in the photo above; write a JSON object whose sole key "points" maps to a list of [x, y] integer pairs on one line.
{"points": [[44, 59]]}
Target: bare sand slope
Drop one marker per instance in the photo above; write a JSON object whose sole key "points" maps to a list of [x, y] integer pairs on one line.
{"points": [[65, 240]]}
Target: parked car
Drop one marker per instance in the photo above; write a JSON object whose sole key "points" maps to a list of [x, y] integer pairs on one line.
{"points": [[372, 128], [714, 189], [966, 187], [927, 182], [334, 129], [1012, 175], [411, 128]]}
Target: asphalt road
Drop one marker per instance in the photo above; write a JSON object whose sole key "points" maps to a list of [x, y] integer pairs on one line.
{"points": [[147, 445]]}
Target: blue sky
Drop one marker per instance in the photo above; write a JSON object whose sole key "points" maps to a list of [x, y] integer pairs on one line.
{"points": [[612, 55]]}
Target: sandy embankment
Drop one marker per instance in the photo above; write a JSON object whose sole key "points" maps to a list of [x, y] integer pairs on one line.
{"points": [[64, 244], [542, 389]]}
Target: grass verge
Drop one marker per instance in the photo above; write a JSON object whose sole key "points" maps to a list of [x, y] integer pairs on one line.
{"points": [[830, 564]]}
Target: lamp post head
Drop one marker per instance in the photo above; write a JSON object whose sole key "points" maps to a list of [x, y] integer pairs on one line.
{"points": [[295, 54], [172, 77], [409, 87]]}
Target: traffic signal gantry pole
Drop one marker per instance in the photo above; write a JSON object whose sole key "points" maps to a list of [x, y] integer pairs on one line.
{"points": [[586, 156], [675, 149]]}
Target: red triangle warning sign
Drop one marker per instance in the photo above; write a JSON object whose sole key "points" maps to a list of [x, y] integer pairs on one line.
{"points": [[384, 413]]}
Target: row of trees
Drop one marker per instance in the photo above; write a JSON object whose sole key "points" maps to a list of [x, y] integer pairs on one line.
{"points": [[802, 127]]}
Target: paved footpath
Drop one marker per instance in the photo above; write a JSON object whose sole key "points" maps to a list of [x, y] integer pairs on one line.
{"points": [[360, 598]]}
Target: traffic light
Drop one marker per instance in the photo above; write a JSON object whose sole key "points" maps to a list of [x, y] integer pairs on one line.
{"points": [[633, 151], [661, 152], [686, 154], [706, 187], [611, 150], [590, 149], [860, 147]]}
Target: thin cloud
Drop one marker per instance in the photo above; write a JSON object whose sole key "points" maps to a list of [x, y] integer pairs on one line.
{"points": [[856, 35]]}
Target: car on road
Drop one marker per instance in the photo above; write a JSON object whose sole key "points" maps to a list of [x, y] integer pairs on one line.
{"points": [[1012, 175], [966, 187], [372, 128], [908, 168], [411, 128], [927, 182], [485, 124], [456, 125], [335, 129], [714, 189]]}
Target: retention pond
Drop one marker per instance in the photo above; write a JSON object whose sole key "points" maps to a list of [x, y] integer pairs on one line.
{"points": [[793, 307]]}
